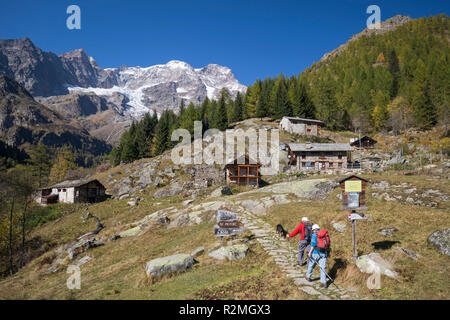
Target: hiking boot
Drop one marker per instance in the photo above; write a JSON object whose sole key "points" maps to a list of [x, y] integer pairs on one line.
{"points": [[323, 285], [308, 279], [303, 264]]}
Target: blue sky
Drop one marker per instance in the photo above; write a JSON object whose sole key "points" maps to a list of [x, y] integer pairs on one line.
{"points": [[255, 38]]}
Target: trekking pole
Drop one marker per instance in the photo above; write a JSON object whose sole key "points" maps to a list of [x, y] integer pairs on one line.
{"points": [[317, 262], [289, 246]]}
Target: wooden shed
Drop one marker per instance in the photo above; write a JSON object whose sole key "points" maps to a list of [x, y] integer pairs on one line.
{"points": [[243, 171]]}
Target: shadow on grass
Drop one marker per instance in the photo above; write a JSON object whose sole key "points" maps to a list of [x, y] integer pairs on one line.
{"points": [[384, 245]]}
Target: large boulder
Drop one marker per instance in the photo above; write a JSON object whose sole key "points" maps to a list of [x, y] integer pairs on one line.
{"points": [[316, 189], [236, 252], [441, 241], [169, 264], [373, 262]]}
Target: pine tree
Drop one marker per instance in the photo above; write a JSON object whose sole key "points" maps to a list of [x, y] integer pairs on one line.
{"points": [[424, 110], [160, 141], [40, 163], [221, 119], [394, 69], [237, 108], [130, 150]]}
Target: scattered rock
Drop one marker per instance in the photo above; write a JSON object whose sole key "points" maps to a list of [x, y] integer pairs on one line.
{"points": [[124, 196], [186, 202], [373, 262], [221, 191], [173, 190], [163, 220], [383, 185], [169, 264], [132, 203], [130, 232], [114, 237], [388, 231], [441, 240], [198, 252], [339, 226], [82, 246], [409, 253], [235, 252]]}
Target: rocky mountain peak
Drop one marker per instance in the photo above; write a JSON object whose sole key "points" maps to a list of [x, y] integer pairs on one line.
{"points": [[385, 26]]}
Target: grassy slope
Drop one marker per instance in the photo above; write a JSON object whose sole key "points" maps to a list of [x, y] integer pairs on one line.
{"points": [[426, 278], [117, 271], [118, 268]]}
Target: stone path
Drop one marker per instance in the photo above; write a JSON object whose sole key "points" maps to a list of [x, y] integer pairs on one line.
{"points": [[285, 256]]}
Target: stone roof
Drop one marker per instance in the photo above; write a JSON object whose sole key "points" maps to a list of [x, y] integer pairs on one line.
{"points": [[365, 138], [320, 147], [73, 183], [305, 120]]}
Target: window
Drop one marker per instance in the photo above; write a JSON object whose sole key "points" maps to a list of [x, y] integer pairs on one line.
{"points": [[339, 157], [339, 165], [64, 190], [330, 164], [59, 190]]}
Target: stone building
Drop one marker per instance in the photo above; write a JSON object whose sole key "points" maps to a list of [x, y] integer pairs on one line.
{"points": [[72, 191], [319, 156], [309, 127]]}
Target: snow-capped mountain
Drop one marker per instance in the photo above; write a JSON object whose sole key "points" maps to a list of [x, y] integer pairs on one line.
{"points": [[163, 86], [158, 87]]}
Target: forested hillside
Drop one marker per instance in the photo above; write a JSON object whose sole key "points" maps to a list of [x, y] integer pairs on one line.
{"points": [[393, 81], [389, 81]]}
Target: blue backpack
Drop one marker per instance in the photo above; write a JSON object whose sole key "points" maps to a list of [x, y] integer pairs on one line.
{"points": [[308, 231]]}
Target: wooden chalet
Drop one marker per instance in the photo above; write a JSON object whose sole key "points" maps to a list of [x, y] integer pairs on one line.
{"points": [[243, 172], [364, 143]]}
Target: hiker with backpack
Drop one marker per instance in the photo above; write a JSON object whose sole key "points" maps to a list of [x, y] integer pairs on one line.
{"points": [[319, 247], [305, 231]]}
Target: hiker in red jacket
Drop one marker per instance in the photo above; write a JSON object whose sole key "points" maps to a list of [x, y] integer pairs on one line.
{"points": [[305, 231]]}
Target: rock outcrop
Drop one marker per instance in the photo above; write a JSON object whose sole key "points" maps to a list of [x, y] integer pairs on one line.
{"points": [[235, 252], [441, 241]]}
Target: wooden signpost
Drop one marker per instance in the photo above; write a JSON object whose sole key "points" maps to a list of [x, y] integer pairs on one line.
{"points": [[354, 198], [227, 224]]}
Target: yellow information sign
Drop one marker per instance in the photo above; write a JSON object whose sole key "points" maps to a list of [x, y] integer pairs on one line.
{"points": [[353, 186]]}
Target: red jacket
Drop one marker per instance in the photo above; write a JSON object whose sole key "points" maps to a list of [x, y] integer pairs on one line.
{"points": [[300, 229]]}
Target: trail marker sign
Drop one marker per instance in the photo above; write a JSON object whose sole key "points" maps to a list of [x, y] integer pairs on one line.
{"points": [[354, 198], [356, 216], [353, 193], [227, 224]]}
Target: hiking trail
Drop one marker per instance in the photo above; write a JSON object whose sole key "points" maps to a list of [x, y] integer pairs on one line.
{"points": [[286, 259]]}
